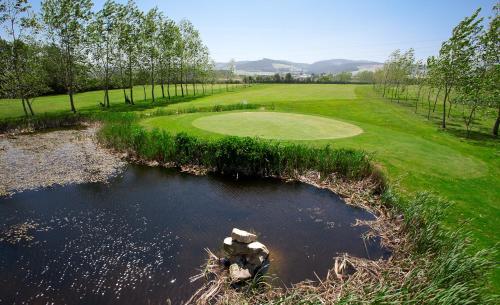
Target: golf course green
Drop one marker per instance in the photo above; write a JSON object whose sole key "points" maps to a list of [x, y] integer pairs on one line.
{"points": [[276, 125], [415, 154]]}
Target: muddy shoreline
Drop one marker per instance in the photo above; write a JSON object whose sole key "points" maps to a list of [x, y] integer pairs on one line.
{"points": [[42, 159]]}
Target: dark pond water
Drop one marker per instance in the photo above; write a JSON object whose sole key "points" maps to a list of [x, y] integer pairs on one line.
{"points": [[138, 239]]}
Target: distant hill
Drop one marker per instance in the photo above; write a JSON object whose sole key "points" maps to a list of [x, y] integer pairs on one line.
{"points": [[271, 66]]}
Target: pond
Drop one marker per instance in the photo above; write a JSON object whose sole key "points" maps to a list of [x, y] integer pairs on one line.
{"points": [[138, 238]]}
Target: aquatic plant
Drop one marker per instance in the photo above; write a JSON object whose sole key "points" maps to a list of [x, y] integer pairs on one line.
{"points": [[234, 155]]}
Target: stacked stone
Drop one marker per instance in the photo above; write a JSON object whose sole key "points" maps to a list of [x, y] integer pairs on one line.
{"points": [[245, 255]]}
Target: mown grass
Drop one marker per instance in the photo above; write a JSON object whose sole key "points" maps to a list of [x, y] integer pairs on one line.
{"points": [[90, 101], [234, 155], [439, 264], [413, 151]]}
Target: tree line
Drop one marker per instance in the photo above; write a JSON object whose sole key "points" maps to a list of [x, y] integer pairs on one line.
{"points": [[67, 47], [345, 77], [465, 73]]}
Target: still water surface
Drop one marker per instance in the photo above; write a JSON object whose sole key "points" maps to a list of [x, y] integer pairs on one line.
{"points": [[138, 239]]}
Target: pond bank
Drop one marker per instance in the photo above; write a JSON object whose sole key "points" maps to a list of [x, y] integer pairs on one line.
{"points": [[35, 160]]}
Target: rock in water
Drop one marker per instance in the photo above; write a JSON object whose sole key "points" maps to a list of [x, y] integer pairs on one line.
{"points": [[238, 274], [246, 256], [232, 247], [258, 248], [243, 236]]}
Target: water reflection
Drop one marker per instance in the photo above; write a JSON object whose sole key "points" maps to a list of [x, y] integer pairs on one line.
{"points": [[138, 239]]}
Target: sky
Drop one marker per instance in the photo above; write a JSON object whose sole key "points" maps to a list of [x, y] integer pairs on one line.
{"points": [[312, 30]]}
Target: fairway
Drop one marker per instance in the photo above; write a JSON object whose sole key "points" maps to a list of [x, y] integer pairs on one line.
{"points": [[276, 125]]}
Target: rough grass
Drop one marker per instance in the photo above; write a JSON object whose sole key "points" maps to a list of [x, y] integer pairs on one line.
{"points": [[430, 264], [414, 152], [234, 155]]}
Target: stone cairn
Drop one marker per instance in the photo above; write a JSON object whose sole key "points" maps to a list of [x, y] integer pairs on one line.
{"points": [[246, 257]]}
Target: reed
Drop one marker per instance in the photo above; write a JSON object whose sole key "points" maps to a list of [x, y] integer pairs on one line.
{"points": [[235, 156]]}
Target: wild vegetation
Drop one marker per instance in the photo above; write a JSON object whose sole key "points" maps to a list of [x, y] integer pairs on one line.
{"points": [[427, 262], [147, 65]]}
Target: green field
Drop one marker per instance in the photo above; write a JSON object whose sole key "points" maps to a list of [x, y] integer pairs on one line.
{"points": [[89, 101], [414, 152], [270, 125]]}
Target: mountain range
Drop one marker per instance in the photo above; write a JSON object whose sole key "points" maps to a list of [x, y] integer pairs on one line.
{"points": [[271, 66]]}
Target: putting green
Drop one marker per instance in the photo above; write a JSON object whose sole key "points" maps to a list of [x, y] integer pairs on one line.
{"points": [[276, 125]]}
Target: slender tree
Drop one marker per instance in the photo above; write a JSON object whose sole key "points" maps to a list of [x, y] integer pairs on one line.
{"points": [[22, 75], [66, 21], [103, 41], [150, 33], [490, 56], [455, 56]]}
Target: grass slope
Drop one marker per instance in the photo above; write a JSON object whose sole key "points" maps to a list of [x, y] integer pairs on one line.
{"points": [[414, 152]]}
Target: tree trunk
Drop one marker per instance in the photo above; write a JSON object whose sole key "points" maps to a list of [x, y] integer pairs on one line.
{"points": [[29, 106], [24, 107], [107, 74], [162, 80], [418, 93], [446, 92], [385, 84], [469, 120], [436, 99], [182, 88], [428, 109], [125, 96], [152, 80], [168, 79], [106, 98], [71, 101], [144, 88], [194, 84], [497, 123], [168, 88], [130, 81]]}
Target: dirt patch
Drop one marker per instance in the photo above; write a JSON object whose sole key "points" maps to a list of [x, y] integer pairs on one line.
{"points": [[31, 161]]}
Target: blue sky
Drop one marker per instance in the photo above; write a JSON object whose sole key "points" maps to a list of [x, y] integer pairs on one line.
{"points": [[307, 31]]}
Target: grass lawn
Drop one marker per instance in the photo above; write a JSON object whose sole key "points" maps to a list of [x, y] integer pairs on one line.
{"points": [[414, 152], [271, 125], [89, 101]]}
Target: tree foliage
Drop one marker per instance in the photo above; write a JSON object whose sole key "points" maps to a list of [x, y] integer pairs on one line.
{"points": [[116, 46]]}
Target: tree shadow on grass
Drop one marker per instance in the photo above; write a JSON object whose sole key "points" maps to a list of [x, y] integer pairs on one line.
{"points": [[477, 137], [149, 104]]}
